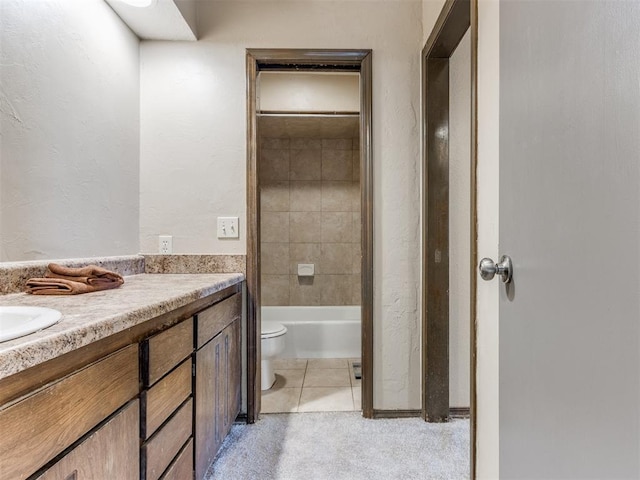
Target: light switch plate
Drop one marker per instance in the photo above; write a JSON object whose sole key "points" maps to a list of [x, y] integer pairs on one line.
{"points": [[228, 227]]}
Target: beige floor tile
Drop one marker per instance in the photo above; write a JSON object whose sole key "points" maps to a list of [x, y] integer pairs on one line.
{"points": [[280, 400], [288, 378], [290, 363], [327, 399], [357, 397], [315, 363], [327, 377]]}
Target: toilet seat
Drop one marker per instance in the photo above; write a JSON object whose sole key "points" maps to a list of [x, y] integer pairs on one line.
{"points": [[272, 329]]}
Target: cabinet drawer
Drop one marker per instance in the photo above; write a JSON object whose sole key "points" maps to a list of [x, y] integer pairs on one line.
{"points": [[212, 321], [161, 449], [61, 413], [93, 458], [182, 467], [162, 352], [164, 397]]}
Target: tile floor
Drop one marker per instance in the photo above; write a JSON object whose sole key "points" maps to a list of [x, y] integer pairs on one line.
{"points": [[313, 385]]}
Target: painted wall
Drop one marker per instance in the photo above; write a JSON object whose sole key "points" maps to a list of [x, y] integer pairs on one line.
{"points": [[459, 223], [488, 221], [309, 92], [69, 123], [193, 147]]}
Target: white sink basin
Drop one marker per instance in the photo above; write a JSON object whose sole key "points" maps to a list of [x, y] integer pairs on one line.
{"points": [[19, 321]]}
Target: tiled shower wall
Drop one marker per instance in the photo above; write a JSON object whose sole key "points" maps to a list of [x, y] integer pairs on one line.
{"points": [[310, 213]]}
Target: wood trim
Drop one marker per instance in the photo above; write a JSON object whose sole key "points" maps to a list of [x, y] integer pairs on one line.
{"points": [[473, 231], [396, 413], [459, 412], [253, 245], [27, 381], [456, 17], [366, 192], [326, 60]]}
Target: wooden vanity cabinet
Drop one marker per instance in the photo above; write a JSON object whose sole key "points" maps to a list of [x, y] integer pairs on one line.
{"points": [[110, 452], [40, 427], [218, 378]]}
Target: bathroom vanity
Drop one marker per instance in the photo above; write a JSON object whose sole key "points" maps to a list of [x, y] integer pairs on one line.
{"points": [[139, 382]]}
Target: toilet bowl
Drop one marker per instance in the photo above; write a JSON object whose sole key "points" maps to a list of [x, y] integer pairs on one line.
{"points": [[272, 344]]}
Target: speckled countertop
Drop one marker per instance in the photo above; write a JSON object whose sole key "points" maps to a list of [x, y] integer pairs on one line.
{"points": [[93, 316]]}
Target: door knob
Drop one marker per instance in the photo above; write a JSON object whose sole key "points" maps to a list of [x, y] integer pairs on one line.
{"points": [[488, 269]]}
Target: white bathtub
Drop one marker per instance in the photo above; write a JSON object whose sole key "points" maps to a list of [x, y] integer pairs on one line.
{"points": [[318, 332]]}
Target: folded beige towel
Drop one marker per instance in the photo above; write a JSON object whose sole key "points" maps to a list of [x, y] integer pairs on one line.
{"points": [[61, 280]]}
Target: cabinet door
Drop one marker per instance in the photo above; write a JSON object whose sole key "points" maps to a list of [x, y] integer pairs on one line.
{"points": [[208, 400], [111, 452]]}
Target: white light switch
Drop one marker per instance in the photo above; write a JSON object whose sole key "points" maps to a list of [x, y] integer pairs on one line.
{"points": [[228, 227]]}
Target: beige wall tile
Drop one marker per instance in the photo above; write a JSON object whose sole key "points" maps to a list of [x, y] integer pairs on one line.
{"points": [[275, 290], [306, 143], [337, 227], [337, 165], [337, 258], [355, 197], [274, 197], [274, 165], [337, 144], [274, 258], [305, 253], [336, 197], [274, 227], [274, 143], [305, 164], [356, 292], [356, 165], [355, 143], [305, 290], [304, 227], [357, 227], [306, 196], [336, 290]]}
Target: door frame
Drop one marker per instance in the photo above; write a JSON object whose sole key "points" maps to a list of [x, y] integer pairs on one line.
{"points": [[312, 60], [455, 19]]}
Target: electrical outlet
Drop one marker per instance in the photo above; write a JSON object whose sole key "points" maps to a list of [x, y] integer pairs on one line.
{"points": [[228, 227], [165, 244]]}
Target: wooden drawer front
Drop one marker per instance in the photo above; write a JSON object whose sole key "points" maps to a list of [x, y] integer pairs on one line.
{"points": [[164, 397], [162, 352], [182, 467], [160, 450], [61, 413], [94, 458], [213, 320]]}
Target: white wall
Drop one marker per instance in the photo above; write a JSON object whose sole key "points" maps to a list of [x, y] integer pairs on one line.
{"points": [[69, 124], [459, 223], [308, 92], [193, 147]]}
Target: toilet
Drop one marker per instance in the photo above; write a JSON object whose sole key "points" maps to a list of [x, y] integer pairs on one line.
{"points": [[272, 345]]}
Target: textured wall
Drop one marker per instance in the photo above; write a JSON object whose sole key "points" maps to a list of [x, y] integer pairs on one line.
{"points": [[69, 120], [193, 147], [310, 213]]}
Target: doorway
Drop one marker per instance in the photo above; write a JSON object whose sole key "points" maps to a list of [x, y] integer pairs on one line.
{"points": [[445, 251], [329, 61]]}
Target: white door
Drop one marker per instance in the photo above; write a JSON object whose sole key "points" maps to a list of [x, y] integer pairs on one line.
{"points": [[569, 219]]}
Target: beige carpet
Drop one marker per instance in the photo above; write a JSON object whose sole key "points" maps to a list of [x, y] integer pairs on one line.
{"points": [[343, 446]]}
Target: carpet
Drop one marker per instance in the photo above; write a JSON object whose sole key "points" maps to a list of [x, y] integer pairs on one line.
{"points": [[343, 446]]}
